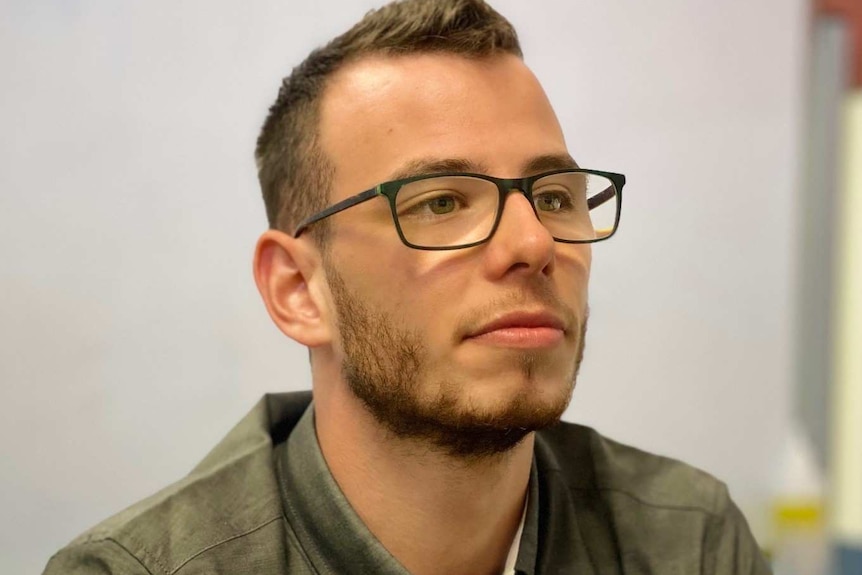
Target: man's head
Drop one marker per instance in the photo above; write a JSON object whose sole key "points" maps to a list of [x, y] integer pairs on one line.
{"points": [[295, 174], [467, 350]]}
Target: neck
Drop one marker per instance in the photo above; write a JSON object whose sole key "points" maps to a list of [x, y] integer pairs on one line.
{"points": [[432, 512]]}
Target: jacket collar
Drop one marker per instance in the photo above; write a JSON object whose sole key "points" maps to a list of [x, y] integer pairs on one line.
{"points": [[333, 536]]}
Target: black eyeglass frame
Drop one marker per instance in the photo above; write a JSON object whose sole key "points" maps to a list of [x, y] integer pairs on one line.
{"points": [[390, 189]]}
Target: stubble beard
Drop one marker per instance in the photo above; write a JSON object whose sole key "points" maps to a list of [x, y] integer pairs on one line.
{"points": [[385, 366]]}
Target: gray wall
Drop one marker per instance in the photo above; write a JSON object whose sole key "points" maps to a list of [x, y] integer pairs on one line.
{"points": [[131, 335]]}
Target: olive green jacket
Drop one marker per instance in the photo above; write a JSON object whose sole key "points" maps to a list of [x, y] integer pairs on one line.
{"points": [[263, 502]]}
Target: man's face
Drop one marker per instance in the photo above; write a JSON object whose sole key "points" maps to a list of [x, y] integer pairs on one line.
{"points": [[468, 349]]}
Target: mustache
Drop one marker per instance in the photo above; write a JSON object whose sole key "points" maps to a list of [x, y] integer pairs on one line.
{"points": [[531, 297]]}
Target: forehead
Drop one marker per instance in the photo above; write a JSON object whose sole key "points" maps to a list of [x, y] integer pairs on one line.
{"points": [[383, 113]]}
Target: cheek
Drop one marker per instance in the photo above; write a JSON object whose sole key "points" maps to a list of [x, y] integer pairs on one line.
{"points": [[379, 276], [572, 275], [423, 302], [425, 292], [576, 260]]}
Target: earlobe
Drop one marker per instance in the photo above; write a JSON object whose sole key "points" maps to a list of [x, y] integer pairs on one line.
{"points": [[284, 267]]}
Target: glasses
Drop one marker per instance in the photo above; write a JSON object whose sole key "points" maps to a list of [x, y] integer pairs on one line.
{"points": [[459, 210]]}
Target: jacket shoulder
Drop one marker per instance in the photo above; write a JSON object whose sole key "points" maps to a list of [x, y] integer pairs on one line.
{"points": [[589, 460], [231, 498], [99, 557], [663, 515]]}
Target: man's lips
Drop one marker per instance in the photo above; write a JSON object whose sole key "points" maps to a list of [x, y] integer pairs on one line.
{"points": [[521, 329], [515, 320]]}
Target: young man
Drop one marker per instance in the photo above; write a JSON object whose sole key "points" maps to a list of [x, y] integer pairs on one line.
{"points": [[429, 243]]}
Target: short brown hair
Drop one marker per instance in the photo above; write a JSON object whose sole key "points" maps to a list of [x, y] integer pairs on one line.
{"points": [[295, 175]]}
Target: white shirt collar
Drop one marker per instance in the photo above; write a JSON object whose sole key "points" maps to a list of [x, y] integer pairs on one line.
{"points": [[512, 558]]}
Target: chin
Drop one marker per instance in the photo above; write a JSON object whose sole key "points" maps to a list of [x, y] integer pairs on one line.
{"points": [[465, 417], [493, 420], [514, 399], [537, 378]]}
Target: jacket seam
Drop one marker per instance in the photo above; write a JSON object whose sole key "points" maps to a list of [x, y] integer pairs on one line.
{"points": [[611, 520], [559, 471], [132, 555], [185, 562], [308, 553], [650, 504]]}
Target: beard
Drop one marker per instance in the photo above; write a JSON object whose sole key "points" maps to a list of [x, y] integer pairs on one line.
{"points": [[386, 368]]}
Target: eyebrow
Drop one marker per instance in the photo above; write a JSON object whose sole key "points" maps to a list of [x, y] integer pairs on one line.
{"points": [[538, 164], [437, 165], [548, 162]]}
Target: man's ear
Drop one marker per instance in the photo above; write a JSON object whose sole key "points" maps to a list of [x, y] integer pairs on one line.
{"points": [[284, 267]]}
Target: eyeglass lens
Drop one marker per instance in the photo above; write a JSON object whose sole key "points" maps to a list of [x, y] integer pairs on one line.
{"points": [[448, 211]]}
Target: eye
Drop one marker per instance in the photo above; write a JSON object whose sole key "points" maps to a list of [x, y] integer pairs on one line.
{"points": [[441, 205], [552, 201], [432, 204]]}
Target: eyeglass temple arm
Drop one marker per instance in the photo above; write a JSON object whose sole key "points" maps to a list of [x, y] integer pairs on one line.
{"points": [[335, 208], [602, 197]]}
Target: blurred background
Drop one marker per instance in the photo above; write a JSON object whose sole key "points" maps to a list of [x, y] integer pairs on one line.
{"points": [[726, 315]]}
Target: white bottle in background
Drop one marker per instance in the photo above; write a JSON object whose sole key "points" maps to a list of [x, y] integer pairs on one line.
{"points": [[800, 543]]}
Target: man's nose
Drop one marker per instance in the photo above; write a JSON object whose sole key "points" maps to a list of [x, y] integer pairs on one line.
{"points": [[521, 240]]}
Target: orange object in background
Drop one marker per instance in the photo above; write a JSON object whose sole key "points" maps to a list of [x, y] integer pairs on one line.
{"points": [[851, 12]]}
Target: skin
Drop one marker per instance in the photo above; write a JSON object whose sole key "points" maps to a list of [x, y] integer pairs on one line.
{"points": [[434, 511]]}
